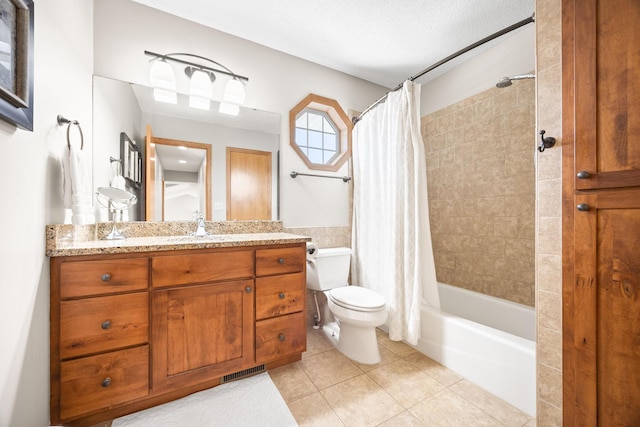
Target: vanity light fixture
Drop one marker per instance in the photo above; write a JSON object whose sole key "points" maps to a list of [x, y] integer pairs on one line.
{"points": [[201, 79], [163, 81]]}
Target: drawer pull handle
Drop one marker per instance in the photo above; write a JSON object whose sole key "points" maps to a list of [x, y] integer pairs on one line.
{"points": [[106, 324], [281, 337], [280, 260], [583, 175], [583, 207], [106, 382], [248, 289], [106, 277], [281, 295]]}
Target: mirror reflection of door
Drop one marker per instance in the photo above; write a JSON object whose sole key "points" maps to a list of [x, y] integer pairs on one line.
{"points": [[178, 179], [248, 184]]}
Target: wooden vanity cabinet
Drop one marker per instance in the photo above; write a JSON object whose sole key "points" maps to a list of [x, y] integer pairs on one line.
{"points": [[131, 331]]}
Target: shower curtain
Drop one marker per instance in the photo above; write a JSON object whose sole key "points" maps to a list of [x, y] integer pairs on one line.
{"points": [[391, 235]]}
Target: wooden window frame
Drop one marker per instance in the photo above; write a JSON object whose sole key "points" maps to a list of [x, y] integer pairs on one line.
{"points": [[340, 120]]}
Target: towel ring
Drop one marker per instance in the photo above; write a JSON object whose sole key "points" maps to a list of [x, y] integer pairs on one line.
{"points": [[62, 120]]}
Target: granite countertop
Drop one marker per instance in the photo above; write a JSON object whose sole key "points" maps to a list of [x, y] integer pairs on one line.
{"points": [[67, 240]]}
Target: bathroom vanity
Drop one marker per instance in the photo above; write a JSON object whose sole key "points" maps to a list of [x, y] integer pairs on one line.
{"points": [[147, 320]]}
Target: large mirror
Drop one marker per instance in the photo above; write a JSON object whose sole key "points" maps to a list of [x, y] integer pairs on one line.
{"points": [[239, 182]]}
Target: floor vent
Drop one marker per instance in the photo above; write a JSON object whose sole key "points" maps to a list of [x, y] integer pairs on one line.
{"points": [[242, 374]]}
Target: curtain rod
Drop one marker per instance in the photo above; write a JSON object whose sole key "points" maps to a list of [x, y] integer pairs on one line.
{"points": [[449, 58]]}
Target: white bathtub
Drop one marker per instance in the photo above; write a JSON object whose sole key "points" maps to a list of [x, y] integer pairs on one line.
{"points": [[500, 357]]}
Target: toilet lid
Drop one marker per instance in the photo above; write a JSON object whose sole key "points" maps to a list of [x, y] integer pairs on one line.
{"points": [[356, 298]]}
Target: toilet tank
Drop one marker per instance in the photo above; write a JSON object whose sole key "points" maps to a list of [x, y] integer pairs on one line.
{"points": [[329, 269]]}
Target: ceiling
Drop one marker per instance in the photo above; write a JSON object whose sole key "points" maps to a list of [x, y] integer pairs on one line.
{"points": [[381, 41]]}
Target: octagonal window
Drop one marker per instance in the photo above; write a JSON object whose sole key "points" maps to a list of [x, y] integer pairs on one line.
{"points": [[320, 133]]}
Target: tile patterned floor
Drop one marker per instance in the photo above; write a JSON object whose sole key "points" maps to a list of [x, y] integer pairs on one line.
{"points": [[405, 389]]}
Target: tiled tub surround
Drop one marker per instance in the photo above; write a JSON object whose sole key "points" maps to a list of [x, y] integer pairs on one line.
{"points": [[481, 183], [68, 240]]}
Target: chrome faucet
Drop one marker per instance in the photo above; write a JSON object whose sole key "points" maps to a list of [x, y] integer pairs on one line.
{"points": [[200, 226]]}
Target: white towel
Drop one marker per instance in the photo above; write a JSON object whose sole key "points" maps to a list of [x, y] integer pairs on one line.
{"points": [[77, 185], [66, 182]]}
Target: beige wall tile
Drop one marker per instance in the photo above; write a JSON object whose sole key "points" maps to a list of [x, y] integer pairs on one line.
{"points": [[550, 346], [549, 310], [549, 385], [484, 177]]}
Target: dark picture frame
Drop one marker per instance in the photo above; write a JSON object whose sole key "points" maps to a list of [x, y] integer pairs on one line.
{"points": [[16, 63], [131, 161]]}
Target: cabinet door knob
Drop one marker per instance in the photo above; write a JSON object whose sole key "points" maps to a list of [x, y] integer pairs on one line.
{"points": [[106, 382], [106, 324], [583, 207], [248, 289], [281, 295], [280, 260], [106, 277], [281, 337], [583, 175]]}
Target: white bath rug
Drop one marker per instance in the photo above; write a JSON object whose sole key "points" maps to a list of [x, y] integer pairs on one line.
{"points": [[253, 401]]}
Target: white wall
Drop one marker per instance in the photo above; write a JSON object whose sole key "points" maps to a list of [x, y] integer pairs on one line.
{"points": [[277, 82], [512, 56], [30, 184]]}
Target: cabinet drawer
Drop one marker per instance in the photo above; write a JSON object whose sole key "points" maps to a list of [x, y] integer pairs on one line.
{"points": [[280, 336], [278, 295], [85, 278], [103, 323], [279, 261], [172, 270], [102, 381]]}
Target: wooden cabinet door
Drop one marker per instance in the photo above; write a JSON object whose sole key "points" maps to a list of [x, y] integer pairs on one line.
{"points": [[601, 176], [201, 332], [605, 302], [602, 39]]}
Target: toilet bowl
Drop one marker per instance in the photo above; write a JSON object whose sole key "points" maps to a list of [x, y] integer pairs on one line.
{"points": [[357, 311]]}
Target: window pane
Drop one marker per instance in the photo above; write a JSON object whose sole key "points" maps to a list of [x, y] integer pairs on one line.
{"points": [[330, 142], [315, 156], [328, 128], [315, 139], [301, 137], [315, 121], [301, 121]]}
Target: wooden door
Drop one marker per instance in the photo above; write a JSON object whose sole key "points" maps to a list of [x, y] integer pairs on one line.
{"points": [[201, 332], [150, 177], [248, 184], [601, 212]]}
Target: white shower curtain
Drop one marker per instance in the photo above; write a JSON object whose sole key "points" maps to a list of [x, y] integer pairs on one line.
{"points": [[392, 250]]}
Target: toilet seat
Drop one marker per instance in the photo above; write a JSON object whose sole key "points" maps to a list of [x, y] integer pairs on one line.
{"points": [[356, 298]]}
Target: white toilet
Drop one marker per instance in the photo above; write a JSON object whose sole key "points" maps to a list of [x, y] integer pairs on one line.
{"points": [[358, 311]]}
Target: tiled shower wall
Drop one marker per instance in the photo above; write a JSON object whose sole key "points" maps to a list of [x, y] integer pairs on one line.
{"points": [[481, 183]]}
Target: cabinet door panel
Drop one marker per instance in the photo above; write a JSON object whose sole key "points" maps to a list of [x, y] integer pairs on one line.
{"points": [[202, 332], [607, 93], [607, 308]]}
